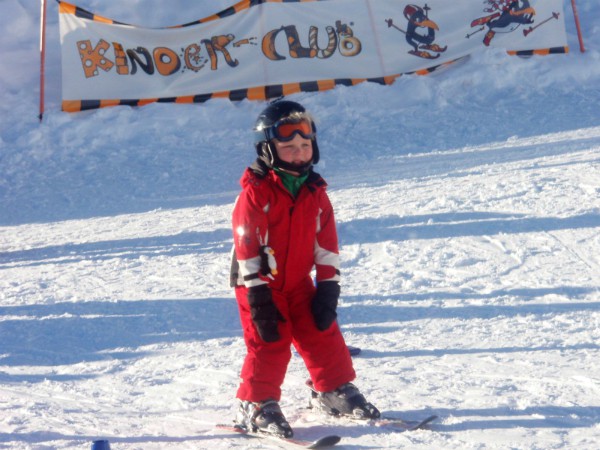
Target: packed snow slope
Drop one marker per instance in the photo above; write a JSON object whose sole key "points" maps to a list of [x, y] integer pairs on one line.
{"points": [[468, 205]]}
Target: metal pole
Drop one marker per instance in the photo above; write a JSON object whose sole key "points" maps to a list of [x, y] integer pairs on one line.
{"points": [[42, 56], [578, 26]]}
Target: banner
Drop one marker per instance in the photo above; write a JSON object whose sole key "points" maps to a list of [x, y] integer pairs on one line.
{"points": [[261, 49]]}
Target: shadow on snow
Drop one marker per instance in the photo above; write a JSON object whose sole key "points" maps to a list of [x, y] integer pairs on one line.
{"points": [[175, 245], [370, 313], [71, 333], [48, 437], [448, 225]]}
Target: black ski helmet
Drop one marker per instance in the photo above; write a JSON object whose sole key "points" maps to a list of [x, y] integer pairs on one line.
{"points": [[265, 130]]}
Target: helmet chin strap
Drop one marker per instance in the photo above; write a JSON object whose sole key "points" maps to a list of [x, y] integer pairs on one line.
{"points": [[274, 162], [300, 169]]}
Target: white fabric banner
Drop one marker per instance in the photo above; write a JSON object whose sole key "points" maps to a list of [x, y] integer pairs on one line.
{"points": [[261, 49]]}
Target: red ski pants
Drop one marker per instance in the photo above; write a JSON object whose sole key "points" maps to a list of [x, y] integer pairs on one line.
{"points": [[325, 353]]}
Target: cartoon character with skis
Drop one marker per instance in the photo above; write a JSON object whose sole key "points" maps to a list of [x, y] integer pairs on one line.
{"points": [[420, 32], [506, 15]]}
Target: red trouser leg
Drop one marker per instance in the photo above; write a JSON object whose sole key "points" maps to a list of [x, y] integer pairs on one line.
{"points": [[266, 363], [324, 352]]}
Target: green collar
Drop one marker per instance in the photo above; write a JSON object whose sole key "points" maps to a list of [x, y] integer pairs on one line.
{"points": [[291, 182]]}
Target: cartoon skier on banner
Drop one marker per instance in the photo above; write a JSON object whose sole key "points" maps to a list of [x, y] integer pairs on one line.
{"points": [[418, 23], [507, 15]]}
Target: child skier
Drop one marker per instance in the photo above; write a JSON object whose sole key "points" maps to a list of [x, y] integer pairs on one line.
{"points": [[283, 226]]}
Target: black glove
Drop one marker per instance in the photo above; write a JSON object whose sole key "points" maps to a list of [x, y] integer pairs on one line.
{"points": [[264, 313], [325, 303]]}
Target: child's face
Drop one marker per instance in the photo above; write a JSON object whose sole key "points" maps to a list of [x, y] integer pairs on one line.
{"points": [[298, 151]]}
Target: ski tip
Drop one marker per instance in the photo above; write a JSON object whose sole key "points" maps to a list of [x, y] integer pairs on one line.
{"points": [[325, 441], [423, 423], [407, 425], [233, 427]]}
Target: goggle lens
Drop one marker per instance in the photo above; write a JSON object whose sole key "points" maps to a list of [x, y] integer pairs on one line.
{"points": [[286, 131]]}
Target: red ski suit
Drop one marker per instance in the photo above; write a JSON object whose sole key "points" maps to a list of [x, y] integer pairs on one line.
{"points": [[301, 232]]}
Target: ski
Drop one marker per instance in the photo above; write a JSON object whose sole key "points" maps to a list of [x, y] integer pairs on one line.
{"points": [[434, 47], [383, 421], [395, 424], [322, 442], [484, 20], [424, 54], [404, 425]]}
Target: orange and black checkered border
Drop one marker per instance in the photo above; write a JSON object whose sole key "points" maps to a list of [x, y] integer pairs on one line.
{"points": [[68, 8], [253, 93], [541, 52]]}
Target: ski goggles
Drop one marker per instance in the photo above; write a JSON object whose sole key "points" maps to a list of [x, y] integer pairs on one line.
{"points": [[285, 131]]}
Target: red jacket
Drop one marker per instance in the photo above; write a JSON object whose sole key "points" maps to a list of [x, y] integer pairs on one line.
{"points": [[301, 231]]}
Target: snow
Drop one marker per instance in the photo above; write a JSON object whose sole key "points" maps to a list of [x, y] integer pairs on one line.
{"points": [[468, 204]]}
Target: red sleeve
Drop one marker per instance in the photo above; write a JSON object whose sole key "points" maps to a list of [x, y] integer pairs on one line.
{"points": [[250, 230], [327, 259]]}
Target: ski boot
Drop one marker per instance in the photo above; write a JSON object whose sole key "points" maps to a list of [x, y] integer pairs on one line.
{"points": [[346, 401], [488, 37], [264, 417]]}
